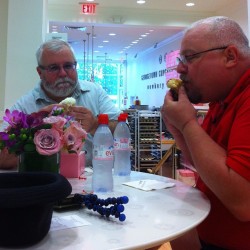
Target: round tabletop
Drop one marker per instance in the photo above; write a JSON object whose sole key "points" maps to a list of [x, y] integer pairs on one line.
{"points": [[152, 217]]}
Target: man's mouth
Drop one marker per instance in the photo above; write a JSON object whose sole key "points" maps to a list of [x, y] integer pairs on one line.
{"points": [[63, 85]]}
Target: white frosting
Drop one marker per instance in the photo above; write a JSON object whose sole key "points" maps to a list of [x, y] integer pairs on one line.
{"points": [[69, 101]]}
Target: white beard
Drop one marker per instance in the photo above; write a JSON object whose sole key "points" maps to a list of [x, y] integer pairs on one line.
{"points": [[63, 87]]}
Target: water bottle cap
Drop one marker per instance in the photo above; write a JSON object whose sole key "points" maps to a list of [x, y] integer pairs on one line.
{"points": [[122, 117], [103, 119]]}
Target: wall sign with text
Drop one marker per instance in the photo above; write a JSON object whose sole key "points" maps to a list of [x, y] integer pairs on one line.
{"points": [[88, 8], [171, 64]]}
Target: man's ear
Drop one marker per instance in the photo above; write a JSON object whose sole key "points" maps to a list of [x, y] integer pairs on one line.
{"points": [[39, 71], [231, 55]]}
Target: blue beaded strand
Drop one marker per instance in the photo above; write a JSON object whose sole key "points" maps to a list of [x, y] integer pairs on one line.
{"points": [[92, 202]]}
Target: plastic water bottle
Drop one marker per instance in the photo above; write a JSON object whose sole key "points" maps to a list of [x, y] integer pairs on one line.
{"points": [[122, 151], [103, 156]]}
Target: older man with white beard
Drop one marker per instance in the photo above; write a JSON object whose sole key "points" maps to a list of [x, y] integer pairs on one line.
{"points": [[59, 80]]}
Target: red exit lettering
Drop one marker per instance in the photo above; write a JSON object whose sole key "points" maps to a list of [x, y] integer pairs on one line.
{"points": [[88, 8]]}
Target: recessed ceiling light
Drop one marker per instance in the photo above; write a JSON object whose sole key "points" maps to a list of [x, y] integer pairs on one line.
{"points": [[112, 34], [190, 4], [106, 41], [141, 1]]}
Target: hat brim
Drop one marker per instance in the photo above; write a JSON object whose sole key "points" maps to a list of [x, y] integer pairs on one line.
{"points": [[26, 205]]}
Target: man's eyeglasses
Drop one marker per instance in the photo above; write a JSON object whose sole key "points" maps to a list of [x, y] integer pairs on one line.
{"points": [[55, 69], [186, 59]]}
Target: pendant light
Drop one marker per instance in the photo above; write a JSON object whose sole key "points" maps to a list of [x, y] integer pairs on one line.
{"points": [[87, 64], [92, 59], [84, 59]]}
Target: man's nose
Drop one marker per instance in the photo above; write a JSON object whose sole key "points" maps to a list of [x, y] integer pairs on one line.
{"points": [[62, 71], [182, 68]]}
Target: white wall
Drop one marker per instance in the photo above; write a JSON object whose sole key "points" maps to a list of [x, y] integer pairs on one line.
{"points": [[248, 12], [3, 48], [150, 62], [23, 38], [238, 11], [150, 91]]}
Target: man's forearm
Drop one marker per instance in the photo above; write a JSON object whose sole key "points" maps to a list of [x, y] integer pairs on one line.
{"points": [[8, 161], [112, 125]]}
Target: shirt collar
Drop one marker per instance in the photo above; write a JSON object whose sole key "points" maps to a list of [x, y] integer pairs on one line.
{"points": [[80, 88], [39, 94], [239, 87], [221, 106]]}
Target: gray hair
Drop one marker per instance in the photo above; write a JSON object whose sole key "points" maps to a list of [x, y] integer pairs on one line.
{"points": [[54, 45], [222, 31]]}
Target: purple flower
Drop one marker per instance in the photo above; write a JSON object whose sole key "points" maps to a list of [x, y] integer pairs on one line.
{"points": [[42, 131], [4, 136], [36, 119], [16, 118]]}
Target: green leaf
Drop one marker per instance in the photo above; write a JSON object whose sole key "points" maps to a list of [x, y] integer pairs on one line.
{"points": [[29, 147]]}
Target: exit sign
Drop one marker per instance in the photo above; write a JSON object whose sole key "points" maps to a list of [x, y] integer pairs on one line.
{"points": [[88, 8]]}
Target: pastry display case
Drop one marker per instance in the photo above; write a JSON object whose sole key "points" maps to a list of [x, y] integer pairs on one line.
{"points": [[149, 150]]}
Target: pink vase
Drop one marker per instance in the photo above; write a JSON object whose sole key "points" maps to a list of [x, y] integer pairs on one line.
{"points": [[72, 165]]}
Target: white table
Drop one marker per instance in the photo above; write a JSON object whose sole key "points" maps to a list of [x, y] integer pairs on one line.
{"points": [[153, 217]]}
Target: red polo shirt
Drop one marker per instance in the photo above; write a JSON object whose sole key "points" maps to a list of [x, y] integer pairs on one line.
{"points": [[228, 123]]}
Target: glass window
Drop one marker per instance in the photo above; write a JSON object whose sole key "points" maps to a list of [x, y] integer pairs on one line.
{"points": [[108, 75]]}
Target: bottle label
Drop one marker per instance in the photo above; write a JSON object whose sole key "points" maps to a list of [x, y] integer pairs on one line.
{"points": [[121, 144], [101, 152]]}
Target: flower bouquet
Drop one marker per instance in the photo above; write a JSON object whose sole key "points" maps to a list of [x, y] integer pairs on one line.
{"points": [[39, 136]]}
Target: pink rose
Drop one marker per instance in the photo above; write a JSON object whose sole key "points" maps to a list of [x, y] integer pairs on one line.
{"points": [[57, 122], [74, 137], [48, 141]]}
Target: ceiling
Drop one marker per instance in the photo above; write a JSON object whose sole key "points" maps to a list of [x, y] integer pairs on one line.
{"points": [[159, 19]]}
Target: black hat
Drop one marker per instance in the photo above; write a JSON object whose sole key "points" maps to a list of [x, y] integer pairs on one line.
{"points": [[26, 205]]}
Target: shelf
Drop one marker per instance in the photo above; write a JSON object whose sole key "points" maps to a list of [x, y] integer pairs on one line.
{"points": [[149, 140], [146, 139]]}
